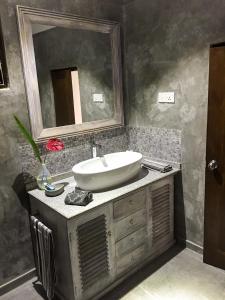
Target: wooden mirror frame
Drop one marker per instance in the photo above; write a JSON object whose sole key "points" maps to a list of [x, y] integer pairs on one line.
{"points": [[3, 66], [27, 16]]}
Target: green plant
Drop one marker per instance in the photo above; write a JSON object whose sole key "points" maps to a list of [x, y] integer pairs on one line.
{"points": [[29, 138]]}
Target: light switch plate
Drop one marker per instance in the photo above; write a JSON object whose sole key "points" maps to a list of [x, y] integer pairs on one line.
{"points": [[166, 97], [98, 98]]}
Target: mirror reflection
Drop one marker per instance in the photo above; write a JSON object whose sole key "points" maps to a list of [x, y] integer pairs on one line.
{"points": [[74, 69]]}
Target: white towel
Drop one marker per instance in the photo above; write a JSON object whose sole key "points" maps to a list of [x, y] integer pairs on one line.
{"points": [[158, 166]]}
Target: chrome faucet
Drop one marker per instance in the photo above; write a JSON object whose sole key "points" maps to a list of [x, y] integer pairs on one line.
{"points": [[94, 148], [95, 152]]}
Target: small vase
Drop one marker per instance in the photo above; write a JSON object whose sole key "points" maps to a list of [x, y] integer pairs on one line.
{"points": [[43, 177]]}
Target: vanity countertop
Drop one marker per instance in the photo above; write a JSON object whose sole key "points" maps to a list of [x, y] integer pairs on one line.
{"points": [[99, 198]]}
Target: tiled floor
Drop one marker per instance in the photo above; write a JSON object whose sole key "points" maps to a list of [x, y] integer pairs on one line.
{"points": [[177, 275]]}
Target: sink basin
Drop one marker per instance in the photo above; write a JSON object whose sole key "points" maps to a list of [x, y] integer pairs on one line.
{"points": [[105, 172]]}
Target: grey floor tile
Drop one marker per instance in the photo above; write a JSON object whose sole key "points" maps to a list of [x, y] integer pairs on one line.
{"points": [[178, 274], [186, 277]]}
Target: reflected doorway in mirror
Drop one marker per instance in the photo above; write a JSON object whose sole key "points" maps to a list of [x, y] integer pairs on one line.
{"points": [[66, 90]]}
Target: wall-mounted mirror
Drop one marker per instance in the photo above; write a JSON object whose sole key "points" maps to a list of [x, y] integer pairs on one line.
{"points": [[72, 71]]}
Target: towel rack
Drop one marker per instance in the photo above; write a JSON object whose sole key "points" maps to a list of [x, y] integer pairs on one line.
{"points": [[43, 246]]}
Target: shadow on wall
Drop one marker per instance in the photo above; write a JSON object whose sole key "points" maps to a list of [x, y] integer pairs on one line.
{"points": [[19, 188]]}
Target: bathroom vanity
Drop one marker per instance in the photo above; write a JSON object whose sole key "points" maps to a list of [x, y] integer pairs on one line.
{"points": [[99, 245]]}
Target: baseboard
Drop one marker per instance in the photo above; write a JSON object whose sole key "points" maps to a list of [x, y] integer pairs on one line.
{"points": [[190, 245], [12, 284], [194, 247]]}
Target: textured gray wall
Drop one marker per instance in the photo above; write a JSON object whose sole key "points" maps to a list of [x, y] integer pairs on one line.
{"points": [[167, 48], [15, 246], [88, 51]]}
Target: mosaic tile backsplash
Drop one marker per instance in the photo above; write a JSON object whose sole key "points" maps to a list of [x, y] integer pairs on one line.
{"points": [[156, 143]]}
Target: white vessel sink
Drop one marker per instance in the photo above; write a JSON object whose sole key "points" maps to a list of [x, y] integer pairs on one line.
{"points": [[104, 172]]}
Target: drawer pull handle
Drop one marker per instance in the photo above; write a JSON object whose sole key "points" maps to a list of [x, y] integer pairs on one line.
{"points": [[131, 221]]}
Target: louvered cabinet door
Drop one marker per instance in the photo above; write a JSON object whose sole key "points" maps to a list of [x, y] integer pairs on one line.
{"points": [[161, 213], [92, 252]]}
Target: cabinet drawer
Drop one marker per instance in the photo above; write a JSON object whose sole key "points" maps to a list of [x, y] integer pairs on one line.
{"points": [[131, 242], [126, 206], [127, 261], [129, 224]]}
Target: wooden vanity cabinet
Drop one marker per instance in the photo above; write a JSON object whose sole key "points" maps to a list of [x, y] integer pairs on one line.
{"points": [[103, 246], [112, 241]]}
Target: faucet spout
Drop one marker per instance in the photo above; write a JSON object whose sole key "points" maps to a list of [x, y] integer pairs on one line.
{"points": [[95, 149]]}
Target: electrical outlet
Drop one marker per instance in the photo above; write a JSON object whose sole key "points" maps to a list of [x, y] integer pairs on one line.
{"points": [[98, 98], [166, 97]]}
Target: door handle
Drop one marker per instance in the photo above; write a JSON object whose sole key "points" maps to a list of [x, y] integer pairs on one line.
{"points": [[213, 165]]}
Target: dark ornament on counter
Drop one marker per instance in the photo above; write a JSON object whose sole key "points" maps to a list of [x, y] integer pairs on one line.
{"points": [[79, 197]]}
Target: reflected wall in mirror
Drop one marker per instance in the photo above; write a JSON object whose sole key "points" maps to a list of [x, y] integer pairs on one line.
{"points": [[74, 69], [72, 72]]}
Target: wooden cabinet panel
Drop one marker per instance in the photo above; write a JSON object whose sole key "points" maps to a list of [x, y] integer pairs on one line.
{"points": [[129, 260], [92, 251], [130, 224], [161, 212], [131, 242], [128, 205]]}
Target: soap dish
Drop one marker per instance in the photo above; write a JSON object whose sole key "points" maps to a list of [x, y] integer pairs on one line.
{"points": [[59, 189]]}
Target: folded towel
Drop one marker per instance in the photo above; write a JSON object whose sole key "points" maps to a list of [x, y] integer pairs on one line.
{"points": [[79, 197], [42, 239], [158, 166]]}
